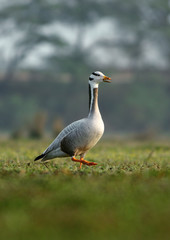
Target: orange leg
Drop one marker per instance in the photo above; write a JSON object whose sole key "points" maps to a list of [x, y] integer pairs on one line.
{"points": [[83, 161]]}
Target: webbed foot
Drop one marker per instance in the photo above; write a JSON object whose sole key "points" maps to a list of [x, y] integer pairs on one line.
{"points": [[83, 161]]}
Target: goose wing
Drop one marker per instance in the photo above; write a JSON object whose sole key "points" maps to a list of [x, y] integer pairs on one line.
{"points": [[67, 130]]}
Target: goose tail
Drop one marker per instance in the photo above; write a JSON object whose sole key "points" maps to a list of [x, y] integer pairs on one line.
{"points": [[39, 157]]}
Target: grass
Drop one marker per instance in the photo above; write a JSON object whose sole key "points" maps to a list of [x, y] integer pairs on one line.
{"points": [[126, 196]]}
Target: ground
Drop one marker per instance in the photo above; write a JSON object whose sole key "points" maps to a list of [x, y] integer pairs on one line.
{"points": [[126, 196]]}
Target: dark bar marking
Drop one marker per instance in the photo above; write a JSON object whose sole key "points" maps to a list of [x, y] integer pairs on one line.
{"points": [[96, 74]]}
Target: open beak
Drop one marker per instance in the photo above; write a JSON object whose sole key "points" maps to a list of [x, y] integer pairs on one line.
{"points": [[106, 79]]}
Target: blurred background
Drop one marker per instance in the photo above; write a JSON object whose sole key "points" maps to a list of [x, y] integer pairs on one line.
{"points": [[48, 49]]}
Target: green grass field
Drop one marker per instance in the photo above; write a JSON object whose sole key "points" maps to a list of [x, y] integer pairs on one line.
{"points": [[126, 196]]}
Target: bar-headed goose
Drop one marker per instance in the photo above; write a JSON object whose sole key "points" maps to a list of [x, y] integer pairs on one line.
{"points": [[80, 136]]}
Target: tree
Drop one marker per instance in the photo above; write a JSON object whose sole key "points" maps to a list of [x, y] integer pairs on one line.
{"points": [[34, 23]]}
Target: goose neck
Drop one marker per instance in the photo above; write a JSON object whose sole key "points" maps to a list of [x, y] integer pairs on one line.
{"points": [[93, 100]]}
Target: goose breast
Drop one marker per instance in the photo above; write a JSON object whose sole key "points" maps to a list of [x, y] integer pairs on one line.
{"points": [[83, 138]]}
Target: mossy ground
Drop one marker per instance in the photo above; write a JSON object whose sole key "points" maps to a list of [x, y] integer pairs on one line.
{"points": [[126, 196]]}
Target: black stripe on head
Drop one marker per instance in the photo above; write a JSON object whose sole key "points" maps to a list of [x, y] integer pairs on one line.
{"points": [[91, 78], [96, 74]]}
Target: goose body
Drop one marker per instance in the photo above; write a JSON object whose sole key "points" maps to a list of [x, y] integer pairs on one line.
{"points": [[80, 136]]}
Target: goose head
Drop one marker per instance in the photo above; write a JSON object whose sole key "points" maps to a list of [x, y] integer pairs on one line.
{"points": [[98, 77]]}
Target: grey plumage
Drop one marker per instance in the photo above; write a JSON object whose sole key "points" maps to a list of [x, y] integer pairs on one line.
{"points": [[80, 136]]}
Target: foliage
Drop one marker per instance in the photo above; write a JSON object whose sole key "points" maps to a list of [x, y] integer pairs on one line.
{"points": [[140, 26], [137, 33], [142, 104], [126, 196]]}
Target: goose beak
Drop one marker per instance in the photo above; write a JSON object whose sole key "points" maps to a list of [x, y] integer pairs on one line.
{"points": [[106, 79]]}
